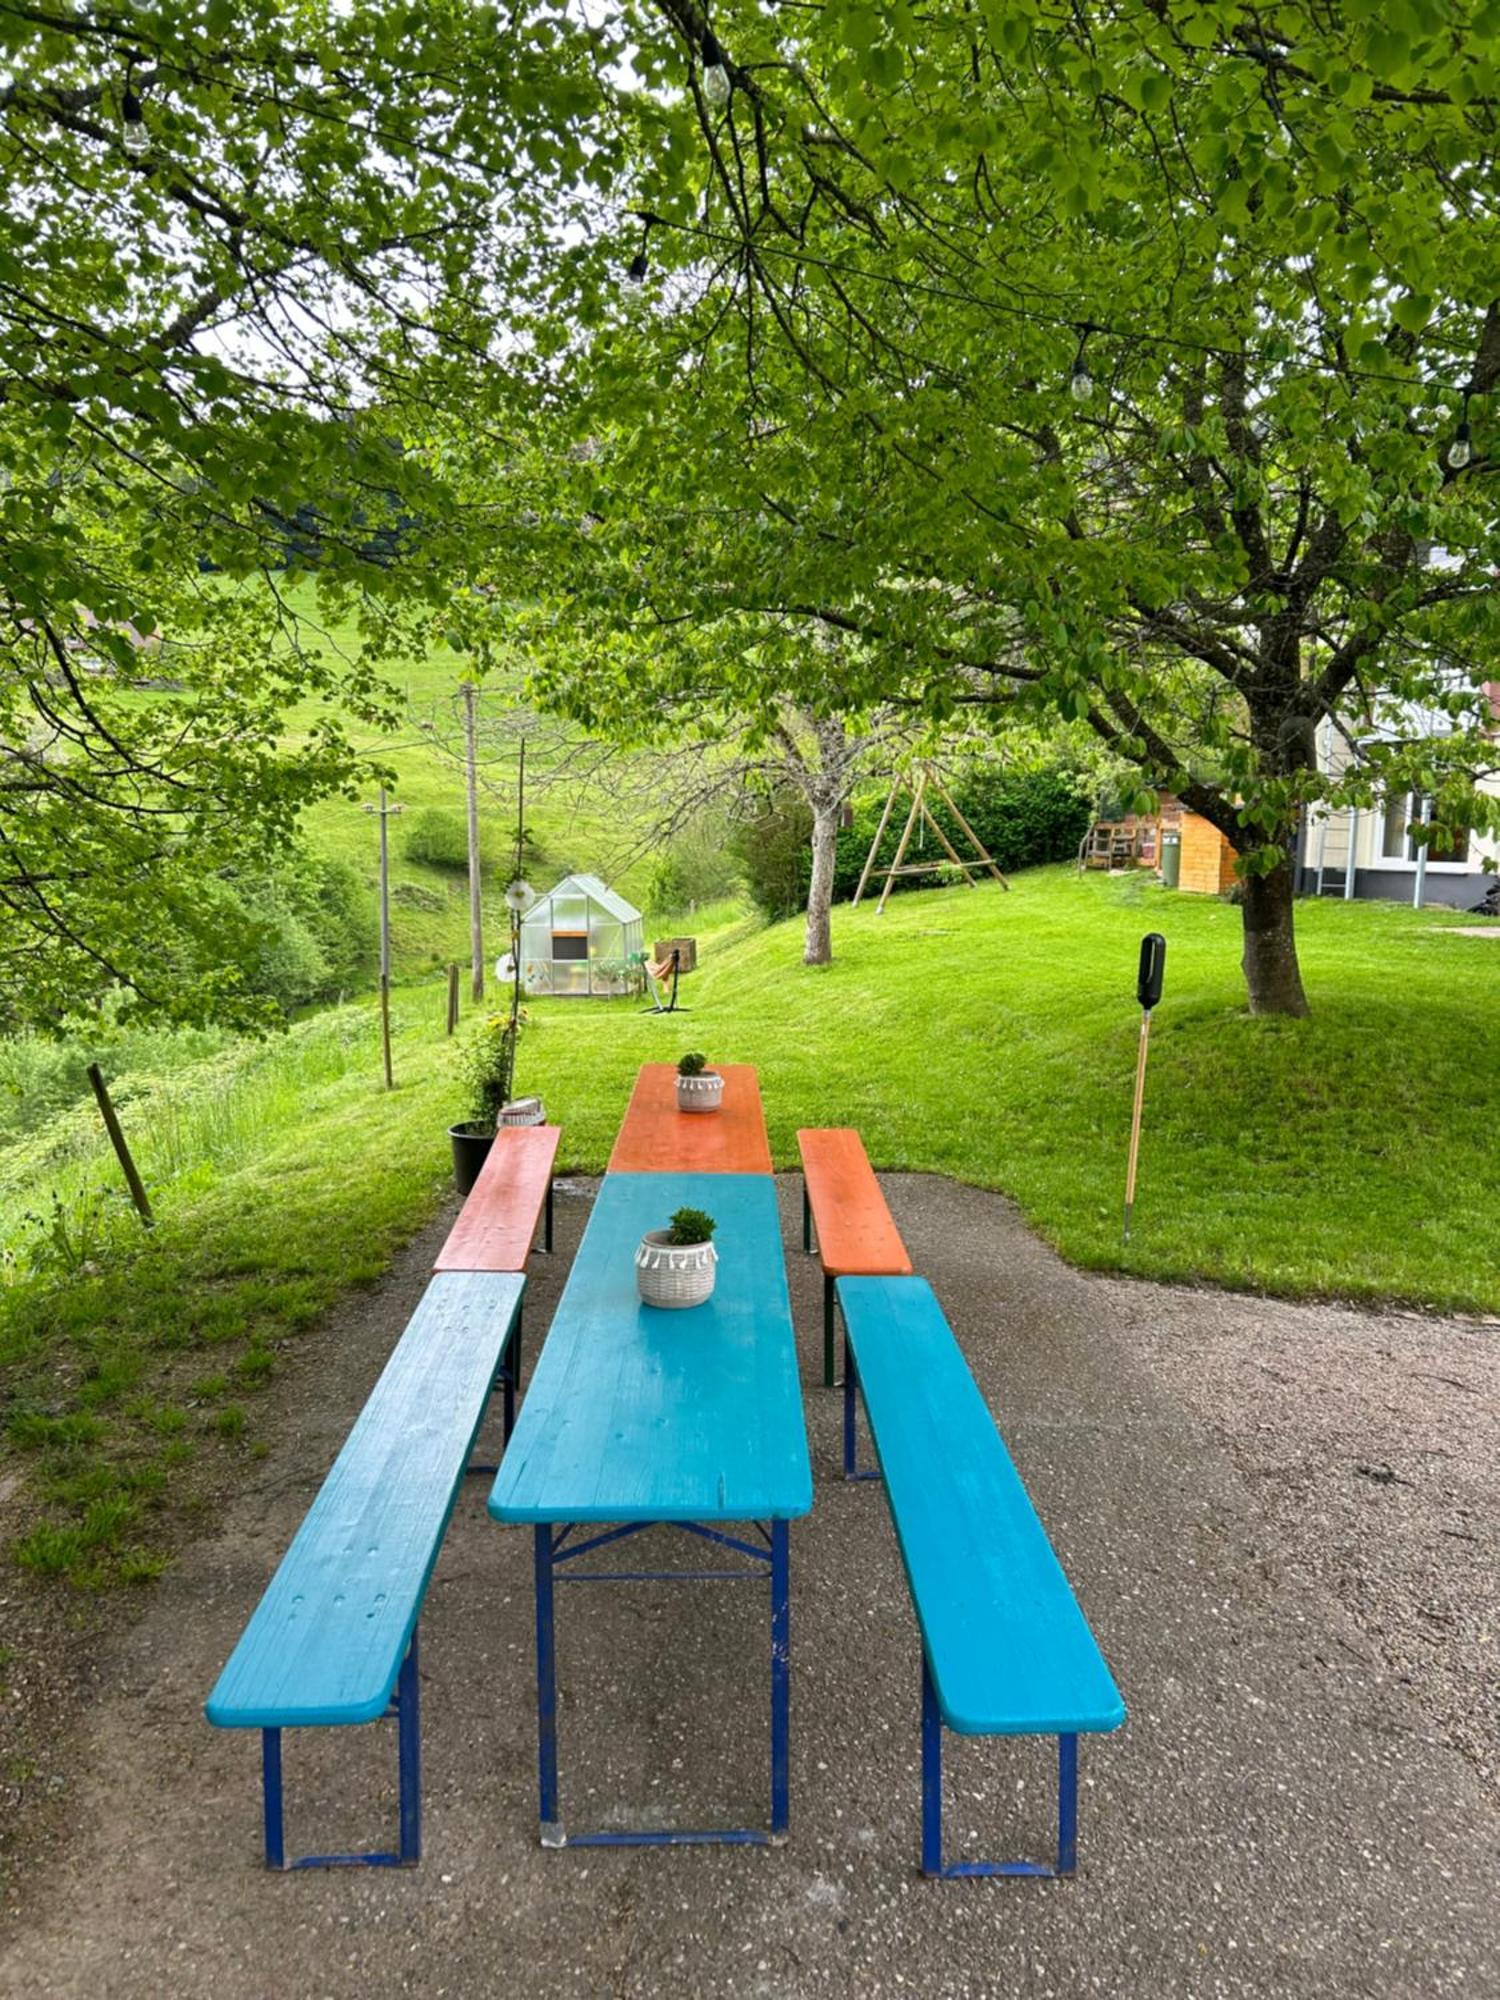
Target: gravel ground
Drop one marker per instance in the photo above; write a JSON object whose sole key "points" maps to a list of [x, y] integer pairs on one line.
{"points": [[1279, 1519]]}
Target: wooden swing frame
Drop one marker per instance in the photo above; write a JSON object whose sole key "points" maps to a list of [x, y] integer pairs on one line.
{"points": [[925, 777]]}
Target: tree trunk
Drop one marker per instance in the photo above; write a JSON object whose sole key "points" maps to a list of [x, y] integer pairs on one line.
{"points": [[1270, 961], [818, 949]]}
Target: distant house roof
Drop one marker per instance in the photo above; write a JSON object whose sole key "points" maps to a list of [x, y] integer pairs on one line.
{"points": [[596, 891]]}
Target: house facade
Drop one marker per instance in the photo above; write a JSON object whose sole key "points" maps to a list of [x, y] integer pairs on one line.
{"points": [[1369, 851]]}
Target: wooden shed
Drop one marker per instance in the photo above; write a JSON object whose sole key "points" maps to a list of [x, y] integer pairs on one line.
{"points": [[1207, 858]]}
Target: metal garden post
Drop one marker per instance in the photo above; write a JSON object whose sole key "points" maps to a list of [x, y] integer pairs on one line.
{"points": [[1147, 992]]}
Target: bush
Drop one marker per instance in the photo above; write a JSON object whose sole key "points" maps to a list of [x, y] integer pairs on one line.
{"points": [[1024, 818], [773, 849], [697, 865], [438, 839]]}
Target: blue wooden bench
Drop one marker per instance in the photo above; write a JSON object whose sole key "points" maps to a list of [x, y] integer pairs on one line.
{"points": [[334, 1639], [1006, 1650]]}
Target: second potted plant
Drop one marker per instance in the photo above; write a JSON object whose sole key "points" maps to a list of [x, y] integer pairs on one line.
{"points": [[699, 1088], [676, 1266]]}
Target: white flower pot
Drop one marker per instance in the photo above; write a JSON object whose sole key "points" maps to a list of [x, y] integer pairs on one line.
{"points": [[700, 1093], [674, 1274], [523, 1111]]}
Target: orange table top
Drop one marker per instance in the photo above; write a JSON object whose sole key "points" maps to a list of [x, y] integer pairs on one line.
{"points": [[657, 1138], [496, 1224]]}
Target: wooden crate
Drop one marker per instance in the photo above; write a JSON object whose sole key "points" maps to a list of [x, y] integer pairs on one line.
{"points": [[686, 949]]}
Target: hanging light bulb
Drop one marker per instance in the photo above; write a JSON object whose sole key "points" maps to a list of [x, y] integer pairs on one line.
{"points": [[1080, 381], [1461, 450], [134, 131], [717, 82], [639, 267]]}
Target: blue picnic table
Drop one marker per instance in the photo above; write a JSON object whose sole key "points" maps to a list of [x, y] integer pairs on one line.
{"points": [[638, 1417]]}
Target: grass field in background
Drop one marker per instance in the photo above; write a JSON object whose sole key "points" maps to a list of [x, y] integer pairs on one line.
{"points": [[972, 1033], [576, 832]]}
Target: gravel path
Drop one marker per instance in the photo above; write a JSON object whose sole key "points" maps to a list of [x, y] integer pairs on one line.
{"points": [[1279, 1519]]}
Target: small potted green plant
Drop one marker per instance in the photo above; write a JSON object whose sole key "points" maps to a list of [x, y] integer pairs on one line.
{"points": [[487, 1065], [676, 1266], [699, 1088]]}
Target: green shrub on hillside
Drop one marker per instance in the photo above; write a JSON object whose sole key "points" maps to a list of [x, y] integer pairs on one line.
{"points": [[772, 849], [438, 839]]}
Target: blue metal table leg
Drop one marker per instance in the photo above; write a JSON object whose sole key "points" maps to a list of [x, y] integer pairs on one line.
{"points": [[270, 1773], [932, 1776], [806, 1222], [828, 1305], [850, 1444], [547, 1224], [546, 1690], [409, 1756], [781, 1674], [1067, 1804]]}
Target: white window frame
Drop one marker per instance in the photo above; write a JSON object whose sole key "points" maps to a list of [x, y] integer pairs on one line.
{"points": [[1379, 859]]}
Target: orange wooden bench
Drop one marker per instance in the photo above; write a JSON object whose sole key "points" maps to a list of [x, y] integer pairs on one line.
{"points": [[856, 1236], [497, 1225], [658, 1138]]}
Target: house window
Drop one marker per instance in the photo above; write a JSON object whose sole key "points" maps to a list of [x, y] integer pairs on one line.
{"points": [[1448, 850]]}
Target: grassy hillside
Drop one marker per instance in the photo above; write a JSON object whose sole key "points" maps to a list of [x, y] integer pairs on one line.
{"points": [[984, 1035], [430, 911]]}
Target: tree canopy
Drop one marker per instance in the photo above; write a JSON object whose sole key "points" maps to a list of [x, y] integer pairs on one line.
{"points": [[251, 262], [1107, 359]]}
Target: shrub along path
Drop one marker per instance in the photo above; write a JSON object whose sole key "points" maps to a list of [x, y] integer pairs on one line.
{"points": [[1278, 1517]]}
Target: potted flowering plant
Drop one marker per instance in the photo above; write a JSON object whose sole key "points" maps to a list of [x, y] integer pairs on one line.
{"points": [[699, 1088], [676, 1266]]}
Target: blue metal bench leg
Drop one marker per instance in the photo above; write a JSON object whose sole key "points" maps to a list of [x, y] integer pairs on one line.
{"points": [[406, 1708], [932, 1804], [781, 1676], [270, 1779], [546, 1690]]}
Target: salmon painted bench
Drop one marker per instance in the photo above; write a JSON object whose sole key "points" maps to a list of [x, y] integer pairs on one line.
{"points": [[497, 1225], [1005, 1649], [856, 1236], [333, 1641]]}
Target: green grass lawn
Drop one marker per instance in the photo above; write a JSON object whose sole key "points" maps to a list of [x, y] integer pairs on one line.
{"points": [[979, 1034], [993, 1037]]}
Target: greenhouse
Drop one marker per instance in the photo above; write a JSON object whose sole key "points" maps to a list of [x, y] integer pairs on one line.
{"points": [[581, 938]]}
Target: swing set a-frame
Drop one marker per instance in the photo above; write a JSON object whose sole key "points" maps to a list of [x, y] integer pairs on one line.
{"points": [[919, 779]]}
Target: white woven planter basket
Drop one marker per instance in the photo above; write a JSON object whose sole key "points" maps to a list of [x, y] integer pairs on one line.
{"points": [[674, 1274], [700, 1093], [523, 1111]]}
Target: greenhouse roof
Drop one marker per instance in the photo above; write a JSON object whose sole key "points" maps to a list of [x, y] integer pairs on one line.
{"points": [[596, 891]]}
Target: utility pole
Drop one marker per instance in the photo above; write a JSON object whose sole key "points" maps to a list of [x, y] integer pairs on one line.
{"points": [[385, 811], [471, 777]]}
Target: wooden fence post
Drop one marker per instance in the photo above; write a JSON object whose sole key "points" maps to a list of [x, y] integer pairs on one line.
{"points": [[452, 998], [117, 1140]]}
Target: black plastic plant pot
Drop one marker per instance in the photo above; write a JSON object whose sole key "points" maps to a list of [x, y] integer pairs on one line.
{"points": [[471, 1148]]}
